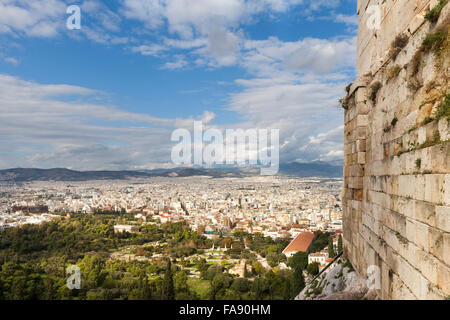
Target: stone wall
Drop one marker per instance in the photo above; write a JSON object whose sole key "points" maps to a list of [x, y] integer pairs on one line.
{"points": [[397, 157]]}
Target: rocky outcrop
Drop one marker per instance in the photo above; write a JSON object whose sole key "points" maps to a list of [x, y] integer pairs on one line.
{"points": [[340, 283]]}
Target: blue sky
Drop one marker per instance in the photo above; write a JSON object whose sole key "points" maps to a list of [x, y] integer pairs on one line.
{"points": [[109, 95]]}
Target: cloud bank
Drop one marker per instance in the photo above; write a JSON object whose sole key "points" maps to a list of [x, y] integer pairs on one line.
{"points": [[293, 86]]}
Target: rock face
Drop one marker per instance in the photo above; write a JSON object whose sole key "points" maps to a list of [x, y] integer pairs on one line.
{"points": [[340, 283], [396, 196]]}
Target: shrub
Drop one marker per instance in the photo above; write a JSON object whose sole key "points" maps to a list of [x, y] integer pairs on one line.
{"points": [[414, 84], [416, 61], [436, 137], [434, 13], [398, 44], [418, 163], [394, 121], [348, 88], [349, 266], [394, 72], [313, 268], [427, 120], [434, 41], [375, 88], [444, 108], [344, 103]]}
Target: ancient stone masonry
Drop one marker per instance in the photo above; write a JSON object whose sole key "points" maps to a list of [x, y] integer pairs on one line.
{"points": [[397, 160]]}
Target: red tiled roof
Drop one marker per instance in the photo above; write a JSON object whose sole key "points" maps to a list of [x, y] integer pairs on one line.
{"points": [[300, 243]]}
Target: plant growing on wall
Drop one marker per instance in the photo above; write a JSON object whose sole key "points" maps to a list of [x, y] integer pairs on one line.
{"points": [[444, 108], [418, 163], [393, 72], [374, 91], [438, 43], [398, 44], [434, 13]]}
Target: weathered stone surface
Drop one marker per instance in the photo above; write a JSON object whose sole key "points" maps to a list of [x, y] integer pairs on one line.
{"points": [[397, 173], [340, 283]]}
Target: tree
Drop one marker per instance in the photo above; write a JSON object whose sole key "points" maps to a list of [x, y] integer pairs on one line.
{"points": [[212, 272], [180, 281], [259, 287], [144, 289], [140, 252], [298, 260], [273, 259], [220, 283], [202, 265], [340, 247], [240, 285], [320, 241], [313, 268], [275, 285], [331, 252], [287, 294], [227, 242], [298, 281], [246, 273], [272, 249], [168, 291], [92, 270], [258, 268]]}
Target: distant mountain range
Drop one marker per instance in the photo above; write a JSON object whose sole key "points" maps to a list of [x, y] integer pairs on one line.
{"points": [[314, 169], [61, 174]]}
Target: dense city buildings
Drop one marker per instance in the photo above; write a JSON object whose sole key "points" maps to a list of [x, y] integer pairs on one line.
{"points": [[278, 207], [252, 234]]}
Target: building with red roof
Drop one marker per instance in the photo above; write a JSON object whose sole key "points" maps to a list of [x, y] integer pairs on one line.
{"points": [[301, 243]]}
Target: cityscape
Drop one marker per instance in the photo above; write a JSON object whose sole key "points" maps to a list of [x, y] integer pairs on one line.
{"points": [[267, 205], [228, 216]]}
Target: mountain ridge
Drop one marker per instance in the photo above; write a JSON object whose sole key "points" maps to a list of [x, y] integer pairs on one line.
{"points": [[317, 169]]}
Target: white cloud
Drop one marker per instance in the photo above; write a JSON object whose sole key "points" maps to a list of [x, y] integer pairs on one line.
{"points": [[179, 63], [106, 18], [293, 86], [149, 50], [325, 146], [347, 19], [307, 55], [189, 19], [47, 19], [323, 56], [224, 47], [100, 24], [186, 44], [151, 12], [212, 28], [54, 125], [299, 109], [12, 60], [299, 99], [38, 18]]}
